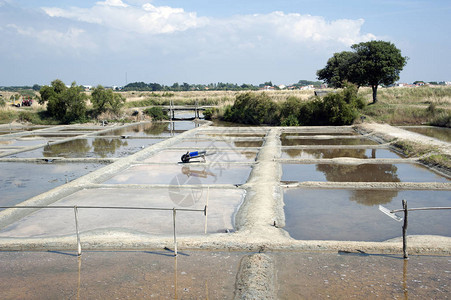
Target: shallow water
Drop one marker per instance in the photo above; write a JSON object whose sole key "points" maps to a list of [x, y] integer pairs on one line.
{"points": [[182, 174], [222, 207], [20, 181], [91, 147], [163, 129], [357, 276], [405, 172], [173, 156], [332, 153], [322, 214], [440, 133], [118, 275], [332, 141]]}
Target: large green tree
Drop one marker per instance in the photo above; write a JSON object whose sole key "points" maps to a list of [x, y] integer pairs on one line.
{"points": [[104, 99], [66, 104], [339, 69], [370, 64]]}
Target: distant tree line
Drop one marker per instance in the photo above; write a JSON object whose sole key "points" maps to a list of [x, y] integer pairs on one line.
{"points": [[220, 86]]}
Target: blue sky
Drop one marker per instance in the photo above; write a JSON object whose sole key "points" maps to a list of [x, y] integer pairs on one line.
{"points": [[112, 42]]}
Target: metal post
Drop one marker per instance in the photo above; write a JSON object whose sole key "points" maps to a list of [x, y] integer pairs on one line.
{"points": [[205, 210], [175, 237], [76, 229], [404, 230]]}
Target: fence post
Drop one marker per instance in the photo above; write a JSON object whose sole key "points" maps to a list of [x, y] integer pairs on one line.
{"points": [[175, 237], [76, 229], [404, 230]]}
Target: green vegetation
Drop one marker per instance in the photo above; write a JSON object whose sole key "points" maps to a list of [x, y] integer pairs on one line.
{"points": [[105, 100], [64, 104], [371, 64], [427, 154], [156, 113], [340, 108]]}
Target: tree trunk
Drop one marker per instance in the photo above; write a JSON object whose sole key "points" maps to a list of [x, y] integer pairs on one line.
{"points": [[374, 87]]}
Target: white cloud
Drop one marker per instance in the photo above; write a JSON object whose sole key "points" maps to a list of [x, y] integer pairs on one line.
{"points": [[147, 19]]}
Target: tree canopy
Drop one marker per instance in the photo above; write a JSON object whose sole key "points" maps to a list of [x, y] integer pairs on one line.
{"points": [[104, 99], [66, 104], [369, 64]]}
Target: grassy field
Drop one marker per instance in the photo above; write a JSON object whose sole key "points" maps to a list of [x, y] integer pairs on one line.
{"points": [[396, 106]]}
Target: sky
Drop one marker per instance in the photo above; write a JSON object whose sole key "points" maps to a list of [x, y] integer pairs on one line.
{"points": [[114, 42]]}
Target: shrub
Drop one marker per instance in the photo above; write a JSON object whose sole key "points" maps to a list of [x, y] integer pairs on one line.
{"points": [[156, 113], [254, 109]]}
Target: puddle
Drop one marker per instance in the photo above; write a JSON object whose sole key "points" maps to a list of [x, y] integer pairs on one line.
{"points": [[222, 206], [91, 147], [404, 172], [173, 156], [327, 141], [346, 214], [182, 174], [440, 133], [119, 275], [21, 181], [348, 276], [332, 153]]}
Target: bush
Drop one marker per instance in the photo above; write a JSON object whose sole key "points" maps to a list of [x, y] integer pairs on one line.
{"points": [[156, 113], [253, 109]]}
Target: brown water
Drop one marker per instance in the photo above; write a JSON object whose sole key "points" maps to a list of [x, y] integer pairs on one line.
{"points": [[118, 275], [440, 133], [405, 172], [354, 276], [182, 174], [212, 275], [332, 153], [20, 181], [316, 214], [91, 147]]}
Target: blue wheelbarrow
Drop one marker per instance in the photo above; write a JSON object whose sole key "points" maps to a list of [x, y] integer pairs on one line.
{"points": [[195, 154]]}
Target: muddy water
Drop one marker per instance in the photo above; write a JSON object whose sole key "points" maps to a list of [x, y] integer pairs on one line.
{"points": [[440, 133], [352, 276], [360, 173], [91, 147], [182, 174], [212, 275], [20, 181], [315, 214], [118, 275], [332, 153]]}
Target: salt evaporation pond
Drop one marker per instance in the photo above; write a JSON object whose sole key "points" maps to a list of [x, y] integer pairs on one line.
{"points": [[347, 214]]}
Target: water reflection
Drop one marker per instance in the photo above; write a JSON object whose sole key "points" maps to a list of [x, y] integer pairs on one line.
{"points": [[202, 172], [331, 153], [373, 197], [72, 148], [333, 141], [440, 133], [103, 147], [359, 173]]}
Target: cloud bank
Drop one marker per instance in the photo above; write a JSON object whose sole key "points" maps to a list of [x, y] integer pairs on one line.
{"points": [[173, 41]]}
